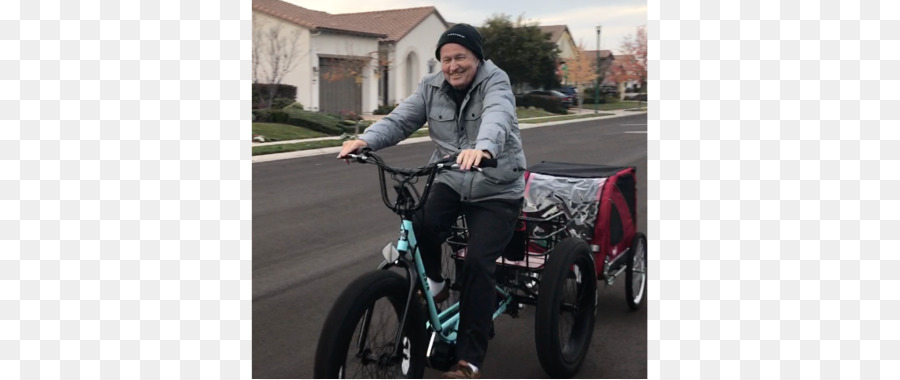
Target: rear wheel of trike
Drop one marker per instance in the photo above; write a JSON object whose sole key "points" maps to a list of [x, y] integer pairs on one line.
{"points": [[564, 318], [360, 332], [636, 271]]}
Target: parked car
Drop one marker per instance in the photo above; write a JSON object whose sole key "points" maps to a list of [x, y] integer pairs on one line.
{"points": [[567, 100], [604, 92], [571, 91], [608, 90]]}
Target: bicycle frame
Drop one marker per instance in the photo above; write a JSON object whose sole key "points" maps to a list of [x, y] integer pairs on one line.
{"points": [[443, 323], [406, 254]]}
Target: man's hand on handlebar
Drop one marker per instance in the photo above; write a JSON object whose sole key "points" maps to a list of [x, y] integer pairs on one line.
{"points": [[471, 157], [351, 146]]}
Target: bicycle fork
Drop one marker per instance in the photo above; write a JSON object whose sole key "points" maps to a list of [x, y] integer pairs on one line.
{"points": [[399, 257], [442, 324]]}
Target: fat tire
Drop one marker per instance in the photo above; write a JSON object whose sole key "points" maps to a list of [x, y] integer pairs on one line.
{"points": [[634, 293], [350, 307], [555, 358]]}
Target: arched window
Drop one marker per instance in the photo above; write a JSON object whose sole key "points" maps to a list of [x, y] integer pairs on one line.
{"points": [[412, 73]]}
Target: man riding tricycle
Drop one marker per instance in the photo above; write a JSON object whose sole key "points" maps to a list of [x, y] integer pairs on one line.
{"points": [[480, 236]]}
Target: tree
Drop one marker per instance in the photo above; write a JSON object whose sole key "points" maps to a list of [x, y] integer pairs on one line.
{"points": [[581, 70], [605, 63], [636, 45], [275, 53], [522, 50]]}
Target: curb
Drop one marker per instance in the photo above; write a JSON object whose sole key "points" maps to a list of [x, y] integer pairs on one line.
{"points": [[336, 149]]}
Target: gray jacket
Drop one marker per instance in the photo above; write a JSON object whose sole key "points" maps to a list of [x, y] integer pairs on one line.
{"points": [[487, 121]]}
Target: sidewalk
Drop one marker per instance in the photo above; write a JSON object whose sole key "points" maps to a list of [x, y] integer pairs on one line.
{"points": [[336, 149]]}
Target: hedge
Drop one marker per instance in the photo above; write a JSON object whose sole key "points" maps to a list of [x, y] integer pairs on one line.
{"points": [[261, 92], [547, 103]]}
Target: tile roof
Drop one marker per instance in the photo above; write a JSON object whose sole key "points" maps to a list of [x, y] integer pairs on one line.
{"points": [[603, 53], [556, 31], [395, 23], [389, 25], [309, 18], [624, 67]]}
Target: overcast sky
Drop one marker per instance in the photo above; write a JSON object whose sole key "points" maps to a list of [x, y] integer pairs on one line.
{"points": [[619, 18]]}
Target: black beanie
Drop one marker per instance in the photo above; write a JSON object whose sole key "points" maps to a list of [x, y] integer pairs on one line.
{"points": [[463, 34]]}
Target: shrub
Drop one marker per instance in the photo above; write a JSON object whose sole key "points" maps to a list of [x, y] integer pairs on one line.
{"points": [[261, 93], [547, 103], [281, 90], [261, 115], [269, 116], [384, 110], [280, 103], [276, 116], [641, 97], [349, 115], [315, 121], [608, 94], [317, 125], [294, 106]]}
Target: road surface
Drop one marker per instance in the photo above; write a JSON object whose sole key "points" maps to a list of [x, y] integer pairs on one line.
{"points": [[318, 224]]}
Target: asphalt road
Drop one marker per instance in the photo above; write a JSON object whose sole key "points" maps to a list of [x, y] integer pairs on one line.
{"points": [[318, 224]]}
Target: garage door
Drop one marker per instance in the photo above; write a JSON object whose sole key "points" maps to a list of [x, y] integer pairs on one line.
{"points": [[340, 90]]}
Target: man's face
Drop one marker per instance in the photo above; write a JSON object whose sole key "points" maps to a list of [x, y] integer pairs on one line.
{"points": [[459, 65]]}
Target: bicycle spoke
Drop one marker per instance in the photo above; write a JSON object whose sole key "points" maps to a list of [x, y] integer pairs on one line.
{"points": [[372, 358]]}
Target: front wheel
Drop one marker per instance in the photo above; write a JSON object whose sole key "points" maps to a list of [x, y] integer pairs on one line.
{"points": [[636, 271], [359, 338], [564, 318]]}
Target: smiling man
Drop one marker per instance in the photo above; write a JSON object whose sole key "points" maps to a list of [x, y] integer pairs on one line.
{"points": [[471, 113]]}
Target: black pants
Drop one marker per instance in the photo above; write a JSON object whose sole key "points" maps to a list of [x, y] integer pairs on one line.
{"points": [[490, 224]]}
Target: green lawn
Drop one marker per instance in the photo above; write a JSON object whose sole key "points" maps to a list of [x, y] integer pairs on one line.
{"points": [[281, 148], [561, 118], [524, 113], [281, 132]]}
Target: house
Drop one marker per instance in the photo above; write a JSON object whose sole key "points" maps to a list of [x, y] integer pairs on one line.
{"points": [[560, 35], [406, 54], [623, 72], [605, 57], [568, 51], [350, 62]]}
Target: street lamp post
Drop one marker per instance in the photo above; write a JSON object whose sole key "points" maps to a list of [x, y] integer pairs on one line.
{"points": [[597, 80]]}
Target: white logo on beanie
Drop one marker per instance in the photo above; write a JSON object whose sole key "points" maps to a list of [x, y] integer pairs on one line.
{"points": [[456, 34]]}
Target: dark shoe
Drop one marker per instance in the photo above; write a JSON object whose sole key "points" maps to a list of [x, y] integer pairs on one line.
{"points": [[461, 371], [444, 293]]}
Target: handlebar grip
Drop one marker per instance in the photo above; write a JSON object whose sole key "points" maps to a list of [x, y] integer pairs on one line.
{"points": [[360, 156], [488, 163]]}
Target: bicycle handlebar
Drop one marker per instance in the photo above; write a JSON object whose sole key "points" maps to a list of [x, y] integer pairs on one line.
{"points": [[405, 203], [363, 158]]}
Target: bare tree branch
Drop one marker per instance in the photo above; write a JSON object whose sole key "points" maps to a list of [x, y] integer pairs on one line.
{"points": [[275, 54]]}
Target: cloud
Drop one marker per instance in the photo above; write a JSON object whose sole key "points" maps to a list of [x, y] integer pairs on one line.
{"points": [[617, 21], [619, 18]]}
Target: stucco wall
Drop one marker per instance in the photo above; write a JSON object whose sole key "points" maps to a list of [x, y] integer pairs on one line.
{"points": [[300, 75], [566, 47], [421, 40], [311, 45]]}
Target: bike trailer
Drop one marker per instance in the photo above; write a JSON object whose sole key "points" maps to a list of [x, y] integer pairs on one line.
{"points": [[597, 203]]}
